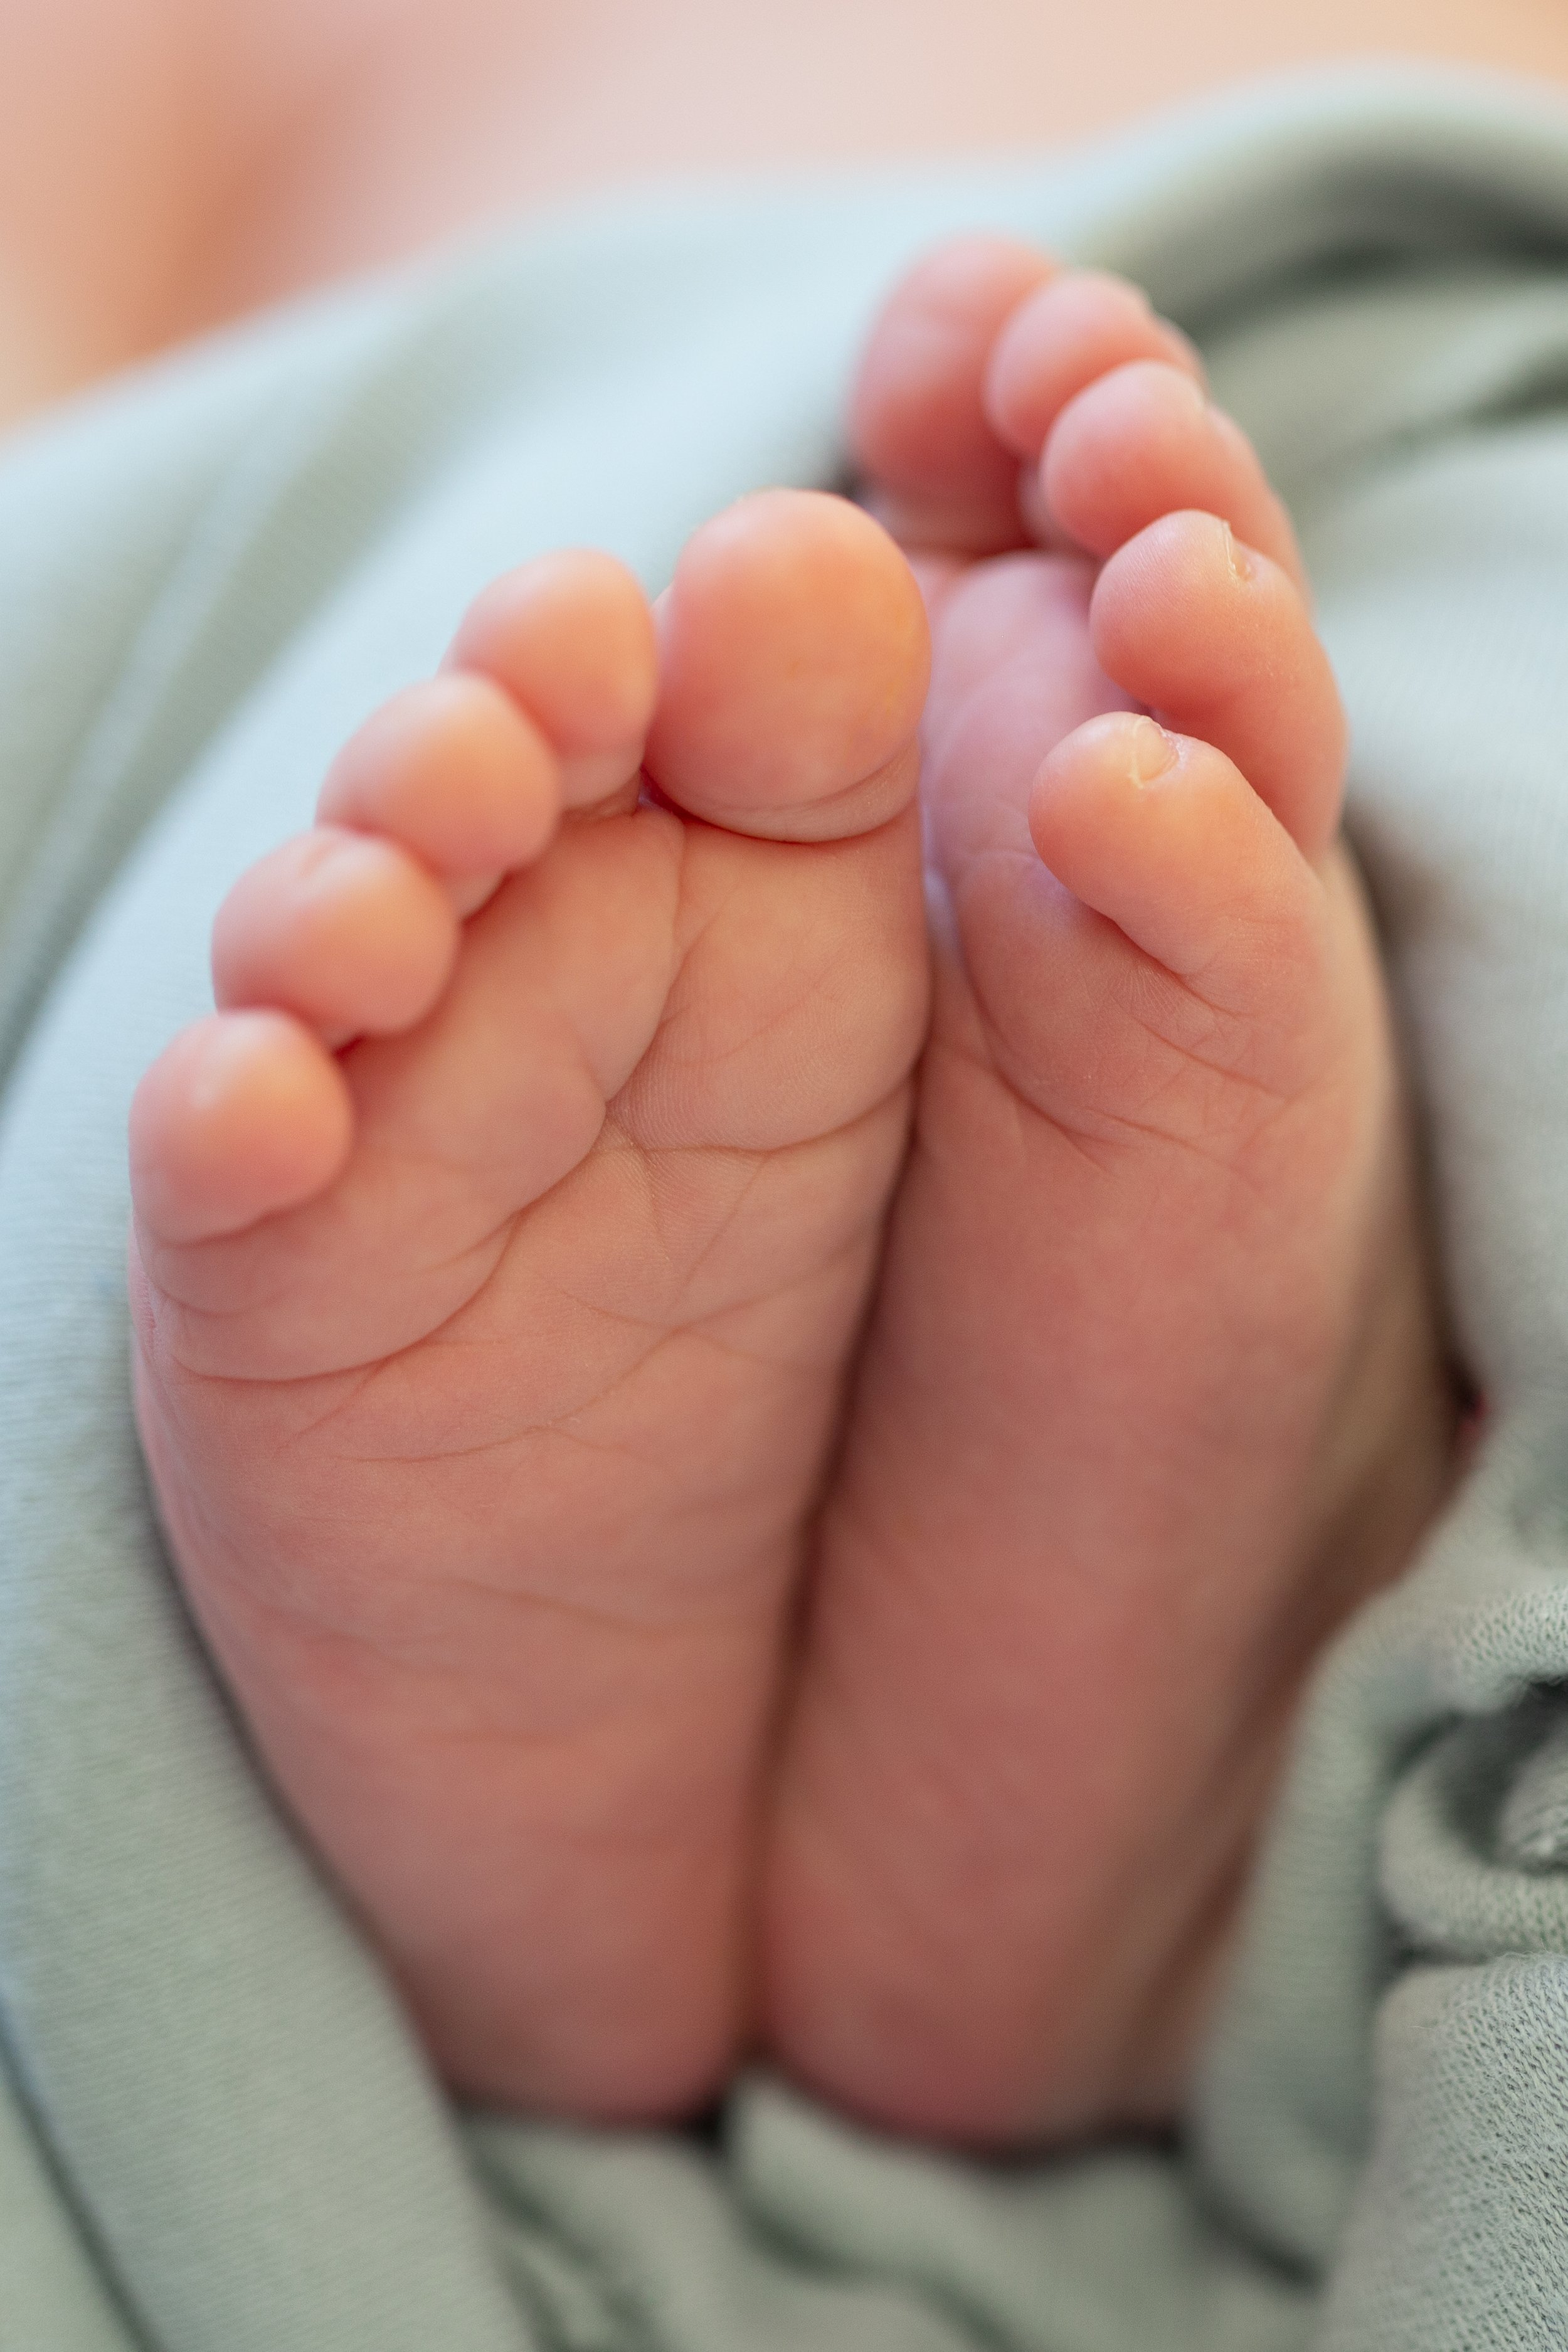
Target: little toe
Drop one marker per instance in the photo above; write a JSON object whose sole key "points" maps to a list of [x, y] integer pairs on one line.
{"points": [[343, 930], [794, 657], [937, 473], [571, 638], [1214, 638], [1069, 332], [244, 1115], [1143, 441]]}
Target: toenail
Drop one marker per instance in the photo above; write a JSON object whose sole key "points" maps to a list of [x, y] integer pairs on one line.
{"points": [[1236, 556], [1153, 750], [1189, 390]]}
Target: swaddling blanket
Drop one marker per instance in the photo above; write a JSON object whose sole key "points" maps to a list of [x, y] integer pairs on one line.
{"points": [[215, 2132]]}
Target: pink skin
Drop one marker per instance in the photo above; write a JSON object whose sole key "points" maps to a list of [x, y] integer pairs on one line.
{"points": [[1151, 1394], [488, 1363], [503, 1241]]}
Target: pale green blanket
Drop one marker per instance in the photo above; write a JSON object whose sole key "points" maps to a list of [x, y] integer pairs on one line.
{"points": [[216, 2135]]}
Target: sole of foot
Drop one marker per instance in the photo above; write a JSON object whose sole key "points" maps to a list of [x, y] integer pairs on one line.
{"points": [[498, 1244], [1153, 1393]]}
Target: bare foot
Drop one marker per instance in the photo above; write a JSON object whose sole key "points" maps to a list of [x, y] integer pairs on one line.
{"points": [[1154, 1394], [487, 1363]]}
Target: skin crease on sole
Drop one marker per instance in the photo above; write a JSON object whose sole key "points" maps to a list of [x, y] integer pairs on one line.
{"points": [[1154, 1392], [496, 1297], [488, 1362]]}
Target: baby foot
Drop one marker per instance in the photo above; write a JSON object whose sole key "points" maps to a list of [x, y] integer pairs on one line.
{"points": [[486, 1363], [1152, 1394]]}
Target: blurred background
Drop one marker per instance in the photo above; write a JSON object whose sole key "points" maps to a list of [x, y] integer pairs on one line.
{"points": [[167, 165]]}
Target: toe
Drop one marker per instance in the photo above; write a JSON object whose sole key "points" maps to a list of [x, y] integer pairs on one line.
{"points": [[1069, 332], [1142, 442], [343, 930], [454, 771], [571, 638], [937, 473], [794, 657], [1165, 836], [1214, 638], [246, 1114]]}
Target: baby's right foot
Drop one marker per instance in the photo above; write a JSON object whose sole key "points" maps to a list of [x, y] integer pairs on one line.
{"points": [[487, 1365], [1152, 1394]]}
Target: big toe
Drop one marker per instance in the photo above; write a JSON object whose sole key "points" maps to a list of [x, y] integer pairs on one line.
{"points": [[935, 469], [794, 660]]}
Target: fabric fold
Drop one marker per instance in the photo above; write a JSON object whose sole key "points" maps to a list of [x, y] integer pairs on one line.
{"points": [[215, 2130]]}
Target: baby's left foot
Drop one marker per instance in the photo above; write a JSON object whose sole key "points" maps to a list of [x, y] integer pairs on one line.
{"points": [[1152, 1394]]}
